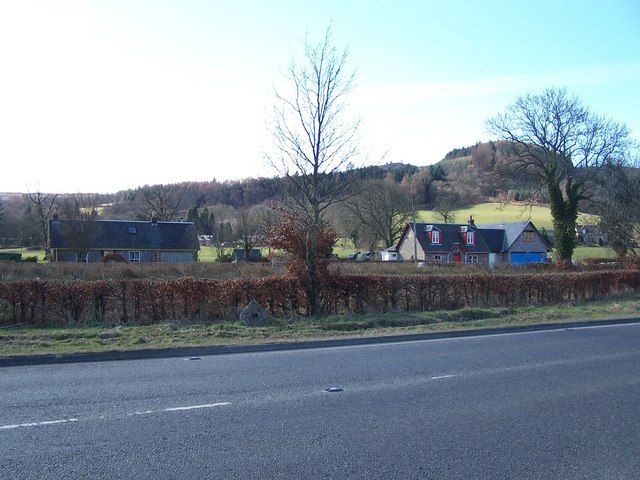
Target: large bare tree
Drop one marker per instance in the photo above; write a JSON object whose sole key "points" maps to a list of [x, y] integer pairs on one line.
{"points": [[618, 205], [559, 141], [315, 143], [161, 202], [382, 209], [80, 229], [44, 205]]}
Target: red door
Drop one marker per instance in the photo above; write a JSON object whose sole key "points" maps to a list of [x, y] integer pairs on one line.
{"points": [[456, 257]]}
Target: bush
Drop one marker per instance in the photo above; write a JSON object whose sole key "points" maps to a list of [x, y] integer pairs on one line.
{"points": [[138, 300], [30, 259], [112, 257]]}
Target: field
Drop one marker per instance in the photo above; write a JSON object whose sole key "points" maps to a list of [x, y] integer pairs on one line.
{"points": [[497, 213], [26, 252]]}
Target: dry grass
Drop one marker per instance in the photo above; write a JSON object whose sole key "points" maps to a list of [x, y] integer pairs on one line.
{"points": [[159, 271]]}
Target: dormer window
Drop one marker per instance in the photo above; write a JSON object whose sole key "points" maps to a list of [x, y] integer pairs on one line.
{"points": [[435, 237], [132, 230], [471, 238]]}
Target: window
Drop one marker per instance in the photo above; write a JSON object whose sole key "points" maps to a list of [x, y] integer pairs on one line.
{"points": [[472, 258], [132, 230], [528, 236], [435, 236], [471, 238], [81, 257], [134, 256], [437, 258]]}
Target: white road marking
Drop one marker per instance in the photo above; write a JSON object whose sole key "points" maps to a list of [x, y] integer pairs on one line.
{"points": [[442, 376], [555, 329], [37, 424], [102, 417], [193, 407]]}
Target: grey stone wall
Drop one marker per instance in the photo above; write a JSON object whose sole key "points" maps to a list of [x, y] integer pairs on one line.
{"points": [[406, 249]]}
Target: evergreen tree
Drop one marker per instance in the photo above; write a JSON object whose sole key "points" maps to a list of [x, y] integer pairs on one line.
{"points": [[192, 214]]}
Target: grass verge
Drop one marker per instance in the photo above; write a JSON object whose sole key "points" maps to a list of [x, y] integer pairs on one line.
{"points": [[28, 340]]}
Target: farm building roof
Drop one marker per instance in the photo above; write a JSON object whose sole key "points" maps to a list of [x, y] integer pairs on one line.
{"points": [[123, 235]]}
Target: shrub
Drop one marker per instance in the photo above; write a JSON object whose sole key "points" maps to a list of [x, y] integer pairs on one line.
{"points": [[112, 257], [140, 300]]}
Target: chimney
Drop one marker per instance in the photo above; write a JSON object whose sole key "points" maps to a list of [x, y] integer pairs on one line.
{"points": [[55, 217], [154, 220], [472, 223]]}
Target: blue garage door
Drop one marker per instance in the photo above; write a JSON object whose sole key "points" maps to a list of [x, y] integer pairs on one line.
{"points": [[522, 257]]}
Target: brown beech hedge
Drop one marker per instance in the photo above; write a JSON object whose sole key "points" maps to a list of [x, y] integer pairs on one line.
{"points": [[44, 302]]}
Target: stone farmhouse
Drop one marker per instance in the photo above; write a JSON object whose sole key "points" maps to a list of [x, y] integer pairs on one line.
{"points": [[123, 240], [514, 243]]}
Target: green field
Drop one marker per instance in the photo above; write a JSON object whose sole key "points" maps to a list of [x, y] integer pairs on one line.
{"points": [[580, 253], [497, 213], [25, 252]]}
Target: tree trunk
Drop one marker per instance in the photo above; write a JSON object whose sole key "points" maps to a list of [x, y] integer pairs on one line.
{"points": [[314, 281], [564, 210]]}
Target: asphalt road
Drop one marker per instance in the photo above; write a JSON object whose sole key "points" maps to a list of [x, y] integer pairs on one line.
{"points": [[556, 404]]}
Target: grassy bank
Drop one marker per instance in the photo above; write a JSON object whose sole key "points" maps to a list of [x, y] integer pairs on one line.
{"points": [[21, 340], [497, 213]]}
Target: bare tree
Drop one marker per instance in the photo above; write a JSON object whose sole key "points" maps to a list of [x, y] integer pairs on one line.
{"points": [[247, 229], [445, 211], [557, 139], [44, 205], [79, 229], [267, 217], [161, 202], [314, 143], [383, 209], [618, 205]]}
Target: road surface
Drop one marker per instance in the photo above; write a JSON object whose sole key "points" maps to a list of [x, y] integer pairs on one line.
{"points": [[559, 404]]}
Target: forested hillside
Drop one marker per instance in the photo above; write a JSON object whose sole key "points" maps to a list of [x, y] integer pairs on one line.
{"points": [[231, 210]]}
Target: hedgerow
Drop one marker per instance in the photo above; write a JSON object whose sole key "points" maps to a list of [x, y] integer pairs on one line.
{"points": [[144, 301]]}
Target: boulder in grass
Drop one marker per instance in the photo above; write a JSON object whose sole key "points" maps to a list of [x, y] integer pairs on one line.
{"points": [[254, 315]]}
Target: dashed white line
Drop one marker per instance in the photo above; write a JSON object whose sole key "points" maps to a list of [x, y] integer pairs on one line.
{"points": [[194, 407], [38, 424], [102, 417], [442, 376]]}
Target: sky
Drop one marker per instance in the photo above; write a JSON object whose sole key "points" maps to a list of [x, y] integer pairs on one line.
{"points": [[98, 96]]}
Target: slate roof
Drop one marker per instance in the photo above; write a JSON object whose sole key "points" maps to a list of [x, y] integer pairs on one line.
{"points": [[512, 231], [494, 238], [114, 235], [490, 238], [449, 234]]}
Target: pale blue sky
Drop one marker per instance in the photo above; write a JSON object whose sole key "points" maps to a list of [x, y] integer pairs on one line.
{"points": [[103, 95]]}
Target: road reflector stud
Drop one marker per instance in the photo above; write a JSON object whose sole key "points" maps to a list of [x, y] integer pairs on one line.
{"points": [[333, 389]]}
